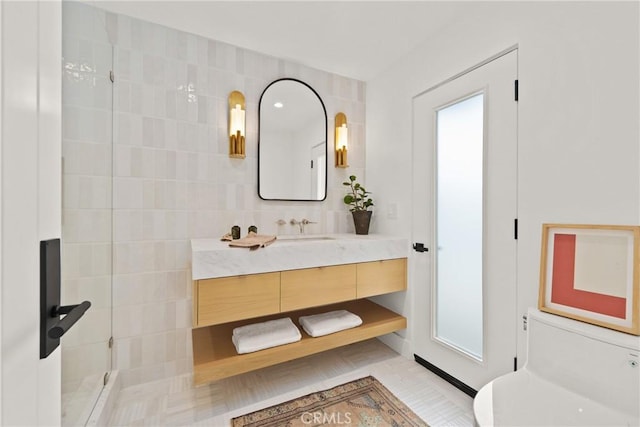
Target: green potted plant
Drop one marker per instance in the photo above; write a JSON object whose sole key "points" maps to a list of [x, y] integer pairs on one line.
{"points": [[359, 203]]}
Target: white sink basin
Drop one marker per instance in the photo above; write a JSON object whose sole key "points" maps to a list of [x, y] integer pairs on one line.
{"points": [[304, 238]]}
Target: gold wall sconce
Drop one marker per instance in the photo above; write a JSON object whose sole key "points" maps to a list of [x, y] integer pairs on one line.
{"points": [[341, 140], [237, 114]]}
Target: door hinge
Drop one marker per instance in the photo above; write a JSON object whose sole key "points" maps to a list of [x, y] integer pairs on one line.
{"points": [[524, 322], [515, 363], [112, 76], [105, 379], [311, 164], [110, 342], [515, 228], [515, 90]]}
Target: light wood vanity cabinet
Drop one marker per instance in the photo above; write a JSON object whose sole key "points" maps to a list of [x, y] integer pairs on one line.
{"points": [[221, 304], [317, 286], [381, 277], [234, 298]]}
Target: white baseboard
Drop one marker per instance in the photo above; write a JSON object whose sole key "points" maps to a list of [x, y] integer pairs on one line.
{"points": [[398, 343]]}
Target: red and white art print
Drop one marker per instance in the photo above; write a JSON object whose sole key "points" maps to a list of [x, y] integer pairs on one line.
{"points": [[590, 273]]}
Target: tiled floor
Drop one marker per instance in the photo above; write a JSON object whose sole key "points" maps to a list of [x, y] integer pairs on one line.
{"points": [[78, 401], [176, 402]]}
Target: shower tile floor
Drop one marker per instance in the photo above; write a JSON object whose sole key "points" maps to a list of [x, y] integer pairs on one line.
{"points": [[176, 402], [78, 400]]}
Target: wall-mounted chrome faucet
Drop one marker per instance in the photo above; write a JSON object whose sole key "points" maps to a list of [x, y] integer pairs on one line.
{"points": [[301, 223], [294, 221]]}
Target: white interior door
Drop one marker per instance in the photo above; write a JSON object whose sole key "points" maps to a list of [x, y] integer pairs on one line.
{"points": [[318, 171], [464, 192], [30, 198]]}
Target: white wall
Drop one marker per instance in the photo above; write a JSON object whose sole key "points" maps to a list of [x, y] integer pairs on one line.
{"points": [[578, 136], [30, 168]]}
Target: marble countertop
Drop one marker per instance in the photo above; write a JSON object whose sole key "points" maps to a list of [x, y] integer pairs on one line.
{"points": [[212, 258]]}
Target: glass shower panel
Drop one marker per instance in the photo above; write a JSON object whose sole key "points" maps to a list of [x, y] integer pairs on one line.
{"points": [[459, 219], [87, 105]]}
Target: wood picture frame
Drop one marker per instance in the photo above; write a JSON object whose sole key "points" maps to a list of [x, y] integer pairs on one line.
{"points": [[591, 273]]}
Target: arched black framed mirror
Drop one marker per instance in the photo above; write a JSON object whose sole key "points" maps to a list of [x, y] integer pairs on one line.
{"points": [[292, 142]]}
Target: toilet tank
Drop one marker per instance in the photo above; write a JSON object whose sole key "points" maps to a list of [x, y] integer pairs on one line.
{"points": [[595, 362]]}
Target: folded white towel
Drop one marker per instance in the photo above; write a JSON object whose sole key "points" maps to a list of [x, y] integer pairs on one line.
{"points": [[262, 327], [259, 336], [327, 323]]}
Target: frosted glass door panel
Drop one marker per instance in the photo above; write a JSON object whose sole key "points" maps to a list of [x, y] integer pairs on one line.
{"points": [[459, 220]]}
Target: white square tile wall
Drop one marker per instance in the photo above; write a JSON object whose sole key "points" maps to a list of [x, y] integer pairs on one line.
{"points": [[172, 179]]}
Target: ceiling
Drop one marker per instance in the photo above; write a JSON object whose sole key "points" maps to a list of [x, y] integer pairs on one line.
{"points": [[357, 39]]}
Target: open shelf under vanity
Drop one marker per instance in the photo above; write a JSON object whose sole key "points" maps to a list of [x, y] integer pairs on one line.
{"points": [[215, 357]]}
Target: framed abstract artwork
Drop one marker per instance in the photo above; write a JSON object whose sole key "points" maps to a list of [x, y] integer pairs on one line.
{"points": [[591, 273]]}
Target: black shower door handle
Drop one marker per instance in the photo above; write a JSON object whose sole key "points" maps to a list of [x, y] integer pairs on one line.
{"points": [[72, 313]]}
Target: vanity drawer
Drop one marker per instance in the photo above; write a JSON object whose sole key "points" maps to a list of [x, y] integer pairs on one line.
{"points": [[381, 277], [311, 287], [233, 298]]}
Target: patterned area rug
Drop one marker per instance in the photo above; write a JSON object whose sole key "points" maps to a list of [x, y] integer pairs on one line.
{"points": [[363, 402]]}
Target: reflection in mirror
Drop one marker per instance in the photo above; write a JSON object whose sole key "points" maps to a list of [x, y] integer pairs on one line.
{"points": [[292, 145]]}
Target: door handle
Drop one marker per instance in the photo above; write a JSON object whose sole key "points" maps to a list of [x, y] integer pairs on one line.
{"points": [[419, 247], [52, 327], [72, 313]]}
